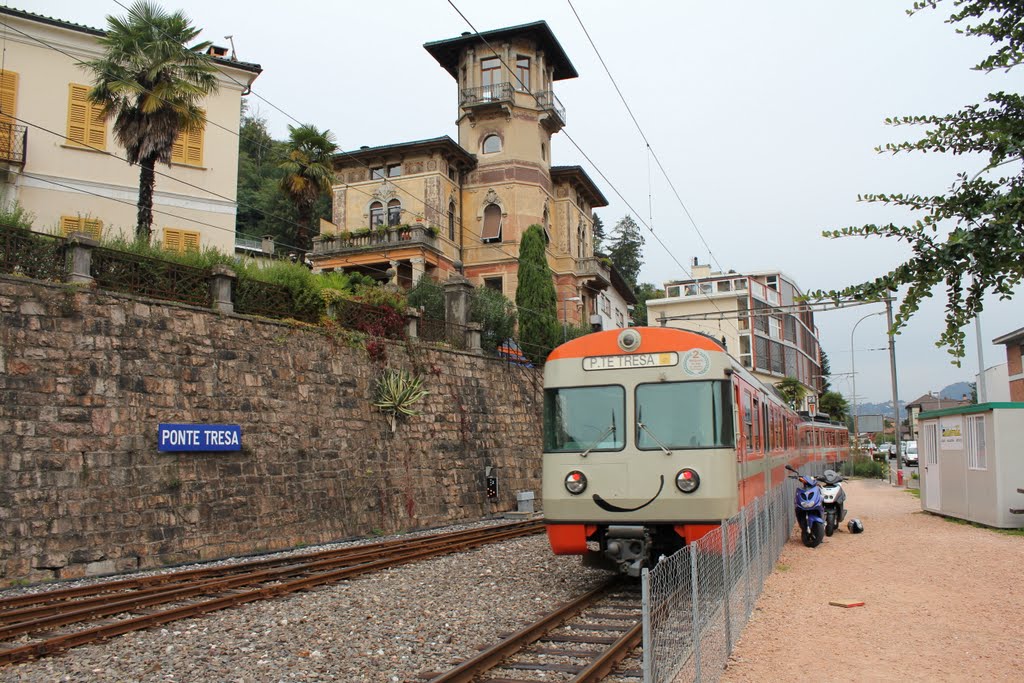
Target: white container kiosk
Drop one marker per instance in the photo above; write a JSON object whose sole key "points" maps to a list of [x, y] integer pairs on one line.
{"points": [[972, 463]]}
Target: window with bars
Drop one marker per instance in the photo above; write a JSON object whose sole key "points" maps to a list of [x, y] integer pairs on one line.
{"points": [[87, 124], [977, 455], [180, 240], [93, 227]]}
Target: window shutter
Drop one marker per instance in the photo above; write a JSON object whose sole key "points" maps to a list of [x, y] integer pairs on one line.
{"points": [[8, 95], [189, 241], [172, 239], [87, 125], [178, 149], [492, 223], [70, 224], [194, 146], [92, 227], [78, 114]]}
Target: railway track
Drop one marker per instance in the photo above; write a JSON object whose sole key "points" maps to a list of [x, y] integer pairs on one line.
{"points": [[582, 641], [40, 624]]}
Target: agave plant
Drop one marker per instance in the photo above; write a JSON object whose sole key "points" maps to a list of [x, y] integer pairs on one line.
{"points": [[396, 392]]}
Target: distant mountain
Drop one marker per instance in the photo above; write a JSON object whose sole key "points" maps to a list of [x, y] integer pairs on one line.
{"points": [[957, 390]]}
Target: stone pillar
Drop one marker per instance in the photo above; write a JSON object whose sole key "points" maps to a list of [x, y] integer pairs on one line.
{"points": [[473, 333], [221, 280], [456, 300], [412, 323], [81, 258], [419, 268]]}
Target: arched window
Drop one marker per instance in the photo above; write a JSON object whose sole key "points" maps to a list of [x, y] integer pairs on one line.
{"points": [[376, 214], [451, 221], [492, 224], [543, 152], [547, 226], [394, 212], [492, 144], [581, 240]]}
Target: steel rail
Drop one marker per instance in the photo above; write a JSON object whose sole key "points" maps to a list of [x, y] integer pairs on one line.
{"points": [[281, 567], [144, 582], [467, 671], [235, 597], [610, 658]]}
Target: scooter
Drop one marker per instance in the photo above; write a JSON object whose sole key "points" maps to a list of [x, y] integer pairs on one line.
{"points": [[810, 513], [833, 498]]}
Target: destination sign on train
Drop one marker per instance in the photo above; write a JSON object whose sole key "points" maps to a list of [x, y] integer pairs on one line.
{"points": [[631, 361]]}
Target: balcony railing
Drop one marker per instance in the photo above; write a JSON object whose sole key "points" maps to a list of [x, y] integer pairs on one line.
{"points": [[549, 102], [591, 267], [12, 143], [399, 235], [487, 94]]}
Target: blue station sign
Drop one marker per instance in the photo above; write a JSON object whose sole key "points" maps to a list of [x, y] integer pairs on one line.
{"points": [[191, 437]]}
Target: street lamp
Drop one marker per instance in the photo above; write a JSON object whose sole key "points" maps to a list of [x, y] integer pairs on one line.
{"points": [[565, 316], [853, 373]]}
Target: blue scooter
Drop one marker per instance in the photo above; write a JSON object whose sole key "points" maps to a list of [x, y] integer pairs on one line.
{"points": [[810, 510]]}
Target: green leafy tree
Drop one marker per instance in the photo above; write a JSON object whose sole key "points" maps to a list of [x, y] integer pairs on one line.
{"points": [[495, 313], [151, 84], [307, 174], [792, 391], [598, 235], [833, 403], [539, 331], [644, 292], [626, 250], [970, 238], [428, 295]]}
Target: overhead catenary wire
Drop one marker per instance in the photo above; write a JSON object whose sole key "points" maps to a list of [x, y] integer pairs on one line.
{"points": [[647, 142], [615, 188]]}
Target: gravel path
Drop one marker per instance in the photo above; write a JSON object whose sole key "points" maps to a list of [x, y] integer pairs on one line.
{"points": [[388, 626], [943, 601]]}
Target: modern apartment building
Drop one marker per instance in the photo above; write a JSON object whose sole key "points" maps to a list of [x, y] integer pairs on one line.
{"points": [[756, 314], [439, 205], [59, 158]]}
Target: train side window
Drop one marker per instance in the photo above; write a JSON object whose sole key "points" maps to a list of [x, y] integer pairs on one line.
{"points": [[755, 419], [748, 427]]}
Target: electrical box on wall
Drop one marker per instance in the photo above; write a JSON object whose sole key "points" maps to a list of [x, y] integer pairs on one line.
{"points": [[491, 483]]}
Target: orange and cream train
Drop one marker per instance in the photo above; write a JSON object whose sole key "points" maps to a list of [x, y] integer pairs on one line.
{"points": [[653, 436]]}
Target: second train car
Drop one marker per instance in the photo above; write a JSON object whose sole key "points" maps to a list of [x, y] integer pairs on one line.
{"points": [[653, 436]]}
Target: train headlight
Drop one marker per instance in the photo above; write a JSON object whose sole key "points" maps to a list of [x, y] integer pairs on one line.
{"points": [[687, 480], [575, 482]]}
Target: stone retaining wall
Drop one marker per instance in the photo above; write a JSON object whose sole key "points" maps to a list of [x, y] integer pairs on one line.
{"points": [[85, 377]]}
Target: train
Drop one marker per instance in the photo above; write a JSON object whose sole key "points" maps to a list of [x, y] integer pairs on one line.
{"points": [[655, 435]]}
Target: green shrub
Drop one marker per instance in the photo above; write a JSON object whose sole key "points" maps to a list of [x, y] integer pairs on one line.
{"points": [[864, 467], [428, 294], [14, 215], [495, 313]]}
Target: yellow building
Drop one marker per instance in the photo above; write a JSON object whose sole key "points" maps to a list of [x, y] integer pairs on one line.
{"points": [[758, 316], [431, 206], [59, 158]]}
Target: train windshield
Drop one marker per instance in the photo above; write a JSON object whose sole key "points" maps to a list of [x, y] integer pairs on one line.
{"points": [[579, 419], [684, 415]]}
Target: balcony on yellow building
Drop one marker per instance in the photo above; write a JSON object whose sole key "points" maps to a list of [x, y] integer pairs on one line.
{"points": [[595, 274], [13, 142], [547, 101]]}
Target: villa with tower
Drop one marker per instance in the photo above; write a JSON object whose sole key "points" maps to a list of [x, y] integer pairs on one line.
{"points": [[439, 206]]}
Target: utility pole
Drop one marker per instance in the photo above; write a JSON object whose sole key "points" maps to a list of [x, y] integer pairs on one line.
{"points": [[895, 391]]}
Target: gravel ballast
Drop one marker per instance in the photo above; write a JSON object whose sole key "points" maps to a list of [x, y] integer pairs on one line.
{"points": [[386, 626]]}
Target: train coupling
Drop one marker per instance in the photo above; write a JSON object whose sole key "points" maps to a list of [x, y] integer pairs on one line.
{"points": [[627, 547]]}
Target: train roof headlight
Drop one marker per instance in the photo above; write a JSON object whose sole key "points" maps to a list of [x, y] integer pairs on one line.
{"points": [[629, 340], [575, 482], [687, 480]]}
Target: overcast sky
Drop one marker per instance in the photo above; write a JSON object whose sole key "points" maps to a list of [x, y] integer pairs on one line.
{"points": [[764, 114]]}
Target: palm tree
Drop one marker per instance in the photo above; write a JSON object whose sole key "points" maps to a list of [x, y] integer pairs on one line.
{"points": [[792, 391], [151, 84], [308, 173]]}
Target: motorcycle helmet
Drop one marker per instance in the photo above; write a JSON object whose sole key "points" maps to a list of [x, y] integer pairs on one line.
{"points": [[855, 526]]}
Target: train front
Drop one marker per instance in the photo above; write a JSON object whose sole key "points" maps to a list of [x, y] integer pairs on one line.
{"points": [[639, 454]]}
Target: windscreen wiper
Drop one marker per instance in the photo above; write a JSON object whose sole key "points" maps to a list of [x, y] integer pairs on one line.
{"points": [[610, 430], [641, 425]]}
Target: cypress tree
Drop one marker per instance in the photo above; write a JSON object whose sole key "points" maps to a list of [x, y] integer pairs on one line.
{"points": [[535, 297]]}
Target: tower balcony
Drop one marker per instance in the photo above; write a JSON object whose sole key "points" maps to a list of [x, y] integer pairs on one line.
{"points": [[593, 273], [496, 95], [547, 101]]}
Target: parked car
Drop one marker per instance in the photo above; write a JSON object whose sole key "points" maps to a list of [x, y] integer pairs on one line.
{"points": [[910, 455]]}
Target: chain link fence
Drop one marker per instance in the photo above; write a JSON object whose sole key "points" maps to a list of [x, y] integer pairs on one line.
{"points": [[696, 602]]}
